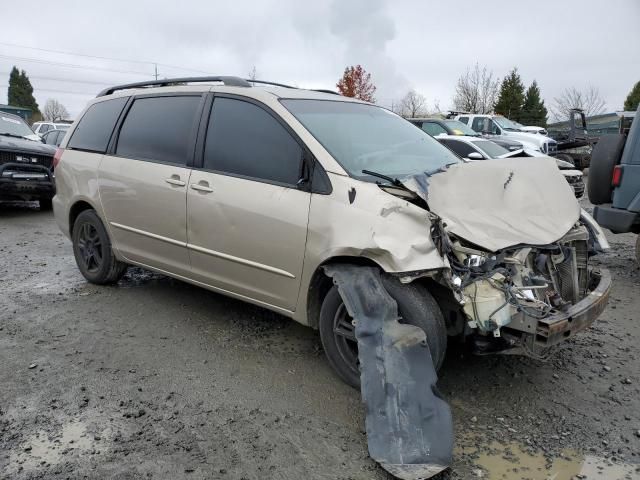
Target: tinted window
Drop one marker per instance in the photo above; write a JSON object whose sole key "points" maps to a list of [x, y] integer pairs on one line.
{"points": [[50, 138], [493, 150], [159, 129], [433, 129], [461, 148], [464, 120], [244, 139], [94, 129]]}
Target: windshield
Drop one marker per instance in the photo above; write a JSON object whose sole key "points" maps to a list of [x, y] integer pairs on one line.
{"points": [[459, 128], [14, 126], [506, 123], [365, 137]]}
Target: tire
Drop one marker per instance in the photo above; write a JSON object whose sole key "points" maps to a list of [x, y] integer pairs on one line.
{"points": [[45, 204], [93, 252], [566, 157], [605, 155], [416, 307]]}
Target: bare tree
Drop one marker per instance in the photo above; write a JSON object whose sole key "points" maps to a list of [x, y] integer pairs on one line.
{"points": [[476, 91], [54, 111], [588, 100], [413, 105], [253, 73]]}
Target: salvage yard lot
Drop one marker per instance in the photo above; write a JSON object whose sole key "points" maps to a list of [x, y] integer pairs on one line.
{"points": [[154, 378]]}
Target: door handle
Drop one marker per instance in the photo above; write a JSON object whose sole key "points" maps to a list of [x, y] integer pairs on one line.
{"points": [[175, 180], [202, 187]]}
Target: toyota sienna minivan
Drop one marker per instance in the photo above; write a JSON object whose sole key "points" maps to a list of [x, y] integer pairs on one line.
{"points": [[250, 188]]}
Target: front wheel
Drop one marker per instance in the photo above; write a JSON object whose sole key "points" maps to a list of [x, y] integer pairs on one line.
{"points": [[93, 252], [416, 307]]}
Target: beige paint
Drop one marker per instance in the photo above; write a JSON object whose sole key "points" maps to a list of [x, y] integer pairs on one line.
{"points": [[263, 243]]}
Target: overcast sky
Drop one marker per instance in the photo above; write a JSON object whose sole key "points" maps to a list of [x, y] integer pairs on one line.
{"points": [[404, 44]]}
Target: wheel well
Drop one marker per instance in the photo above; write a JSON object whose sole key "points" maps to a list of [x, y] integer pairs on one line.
{"points": [[76, 210], [321, 284]]}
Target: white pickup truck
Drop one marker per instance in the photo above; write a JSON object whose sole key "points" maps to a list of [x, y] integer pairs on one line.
{"points": [[497, 125]]}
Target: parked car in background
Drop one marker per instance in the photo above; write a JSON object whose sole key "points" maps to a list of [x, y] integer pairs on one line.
{"points": [[25, 164], [54, 137], [41, 128], [437, 126], [614, 181], [481, 149], [495, 126]]}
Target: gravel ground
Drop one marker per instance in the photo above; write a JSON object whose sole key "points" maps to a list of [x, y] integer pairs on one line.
{"points": [[154, 378]]}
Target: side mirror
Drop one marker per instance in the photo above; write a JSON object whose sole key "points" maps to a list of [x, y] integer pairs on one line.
{"points": [[475, 156]]}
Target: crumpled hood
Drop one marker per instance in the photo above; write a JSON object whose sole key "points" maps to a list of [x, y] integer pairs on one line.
{"points": [[500, 203], [26, 146]]}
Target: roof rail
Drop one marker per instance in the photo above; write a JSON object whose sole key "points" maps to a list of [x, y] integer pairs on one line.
{"points": [[229, 81], [324, 90], [264, 82]]}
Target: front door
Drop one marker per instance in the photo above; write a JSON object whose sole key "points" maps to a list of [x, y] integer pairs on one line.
{"points": [[246, 217], [143, 183]]}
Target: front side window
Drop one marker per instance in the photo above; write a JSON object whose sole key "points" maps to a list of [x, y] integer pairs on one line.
{"points": [[433, 129], [366, 137], [95, 127], [464, 120], [159, 129], [244, 139]]}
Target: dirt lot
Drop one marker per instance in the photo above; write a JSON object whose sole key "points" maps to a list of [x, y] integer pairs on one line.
{"points": [[154, 378]]}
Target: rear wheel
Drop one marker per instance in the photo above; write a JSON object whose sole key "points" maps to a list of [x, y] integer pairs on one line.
{"points": [[93, 252], [416, 307]]}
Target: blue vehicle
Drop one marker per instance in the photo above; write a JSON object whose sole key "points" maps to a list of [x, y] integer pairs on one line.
{"points": [[614, 181]]}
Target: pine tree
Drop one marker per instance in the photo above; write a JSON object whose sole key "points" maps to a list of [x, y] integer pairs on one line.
{"points": [[511, 96], [20, 92], [633, 99], [533, 110]]}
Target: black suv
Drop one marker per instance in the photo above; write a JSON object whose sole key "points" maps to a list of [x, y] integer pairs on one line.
{"points": [[614, 181], [25, 163]]}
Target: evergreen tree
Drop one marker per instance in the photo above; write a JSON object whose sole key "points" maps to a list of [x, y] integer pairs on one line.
{"points": [[511, 96], [20, 92], [633, 99], [533, 110]]}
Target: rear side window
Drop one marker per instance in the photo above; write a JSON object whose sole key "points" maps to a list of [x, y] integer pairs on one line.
{"points": [[464, 120], [433, 129], [94, 129], [159, 129], [461, 148], [243, 139]]}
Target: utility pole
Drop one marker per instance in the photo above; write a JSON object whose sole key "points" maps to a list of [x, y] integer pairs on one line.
{"points": [[155, 68]]}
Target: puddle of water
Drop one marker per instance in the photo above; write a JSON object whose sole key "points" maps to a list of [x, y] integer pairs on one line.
{"points": [[49, 450], [511, 462]]}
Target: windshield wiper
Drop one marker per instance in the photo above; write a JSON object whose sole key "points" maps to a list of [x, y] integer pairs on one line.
{"points": [[391, 180], [5, 134]]}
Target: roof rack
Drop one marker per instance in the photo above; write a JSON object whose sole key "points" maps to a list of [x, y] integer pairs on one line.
{"points": [[226, 80], [229, 81]]}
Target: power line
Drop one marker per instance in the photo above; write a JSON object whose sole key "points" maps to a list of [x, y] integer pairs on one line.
{"points": [[69, 80], [103, 58], [86, 94], [71, 65]]}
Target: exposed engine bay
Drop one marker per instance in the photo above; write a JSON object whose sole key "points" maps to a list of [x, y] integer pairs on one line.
{"points": [[522, 297]]}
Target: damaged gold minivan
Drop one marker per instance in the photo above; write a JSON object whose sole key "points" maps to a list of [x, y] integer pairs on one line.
{"points": [[251, 189]]}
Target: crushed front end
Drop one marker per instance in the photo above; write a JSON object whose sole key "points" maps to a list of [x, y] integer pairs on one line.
{"points": [[527, 298]]}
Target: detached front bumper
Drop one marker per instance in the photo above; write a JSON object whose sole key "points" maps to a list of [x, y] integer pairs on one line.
{"points": [[534, 335]]}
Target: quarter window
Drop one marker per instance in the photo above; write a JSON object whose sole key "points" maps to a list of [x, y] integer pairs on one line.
{"points": [[245, 140], [159, 129], [95, 127]]}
